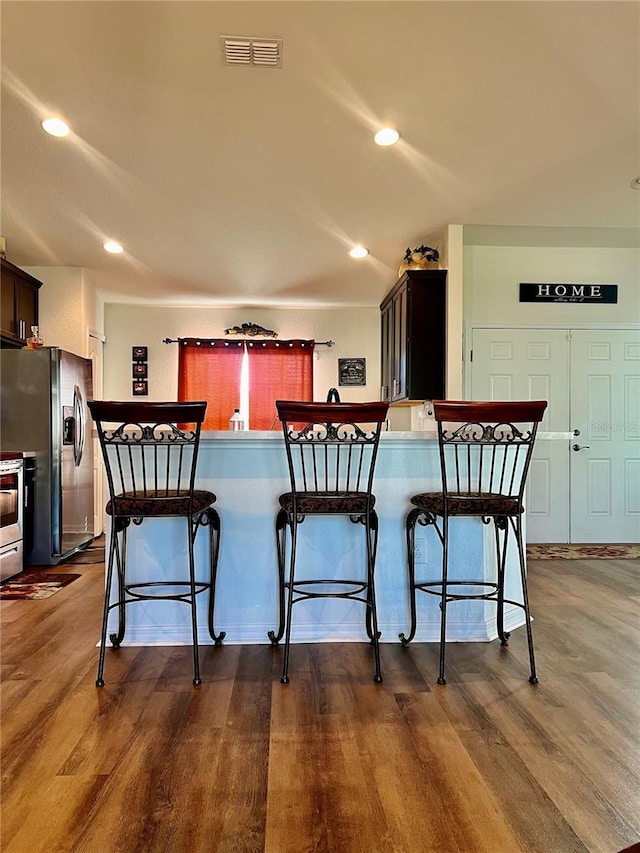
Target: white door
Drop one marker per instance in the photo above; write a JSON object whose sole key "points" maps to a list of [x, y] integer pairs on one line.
{"points": [[605, 407], [533, 364], [591, 381]]}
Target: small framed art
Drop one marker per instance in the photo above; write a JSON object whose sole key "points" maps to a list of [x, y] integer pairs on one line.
{"points": [[352, 371], [139, 353], [140, 388], [139, 369]]}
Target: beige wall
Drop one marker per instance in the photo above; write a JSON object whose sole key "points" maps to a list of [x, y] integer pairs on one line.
{"points": [[356, 332], [487, 275], [68, 307], [492, 275]]}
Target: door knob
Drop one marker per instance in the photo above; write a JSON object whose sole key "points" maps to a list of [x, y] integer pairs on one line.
{"points": [[577, 447]]}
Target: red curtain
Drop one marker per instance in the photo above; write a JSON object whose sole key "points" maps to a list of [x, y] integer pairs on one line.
{"points": [[278, 370], [209, 369]]}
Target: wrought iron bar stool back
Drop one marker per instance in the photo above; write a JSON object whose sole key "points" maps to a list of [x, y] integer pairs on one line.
{"points": [[485, 453], [150, 452], [331, 453]]}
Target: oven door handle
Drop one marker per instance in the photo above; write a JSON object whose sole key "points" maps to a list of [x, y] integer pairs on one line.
{"points": [[79, 420]]}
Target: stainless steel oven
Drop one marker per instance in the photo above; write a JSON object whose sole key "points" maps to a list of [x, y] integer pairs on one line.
{"points": [[11, 514]]}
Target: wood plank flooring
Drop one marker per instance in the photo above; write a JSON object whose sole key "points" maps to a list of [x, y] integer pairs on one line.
{"points": [[331, 763]]}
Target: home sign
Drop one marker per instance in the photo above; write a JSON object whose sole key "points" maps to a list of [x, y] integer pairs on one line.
{"points": [[603, 293]]}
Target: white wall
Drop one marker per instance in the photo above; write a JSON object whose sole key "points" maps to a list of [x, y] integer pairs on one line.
{"points": [[356, 332], [492, 275], [68, 308]]}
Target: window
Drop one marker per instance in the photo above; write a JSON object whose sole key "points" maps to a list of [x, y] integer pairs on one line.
{"points": [[249, 375]]}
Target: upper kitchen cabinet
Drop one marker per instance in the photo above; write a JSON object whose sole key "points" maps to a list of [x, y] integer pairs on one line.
{"points": [[18, 305], [413, 337]]}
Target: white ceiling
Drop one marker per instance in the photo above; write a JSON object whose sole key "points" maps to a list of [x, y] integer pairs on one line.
{"points": [[247, 185]]}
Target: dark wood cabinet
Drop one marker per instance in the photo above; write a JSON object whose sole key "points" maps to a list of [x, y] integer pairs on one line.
{"points": [[18, 305], [413, 335]]}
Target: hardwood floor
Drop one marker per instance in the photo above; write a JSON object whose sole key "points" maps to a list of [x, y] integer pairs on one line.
{"points": [[331, 763]]}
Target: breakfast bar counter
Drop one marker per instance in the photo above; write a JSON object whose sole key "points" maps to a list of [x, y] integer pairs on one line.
{"points": [[247, 471]]}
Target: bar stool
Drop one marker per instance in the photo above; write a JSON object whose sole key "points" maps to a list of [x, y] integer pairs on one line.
{"points": [[331, 453], [150, 452], [485, 453]]}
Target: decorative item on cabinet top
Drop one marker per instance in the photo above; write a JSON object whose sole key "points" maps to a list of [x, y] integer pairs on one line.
{"points": [[421, 258]]}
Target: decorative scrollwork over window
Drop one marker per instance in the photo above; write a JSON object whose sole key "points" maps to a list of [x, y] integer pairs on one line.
{"points": [[252, 330]]}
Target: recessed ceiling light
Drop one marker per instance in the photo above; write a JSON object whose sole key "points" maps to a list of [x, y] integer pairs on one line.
{"points": [[55, 127], [112, 247], [358, 252], [387, 136], [635, 183]]}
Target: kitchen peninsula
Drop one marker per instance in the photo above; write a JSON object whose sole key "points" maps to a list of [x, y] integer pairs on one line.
{"points": [[247, 471]]}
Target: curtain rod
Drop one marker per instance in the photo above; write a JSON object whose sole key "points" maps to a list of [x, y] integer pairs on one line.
{"points": [[316, 343]]}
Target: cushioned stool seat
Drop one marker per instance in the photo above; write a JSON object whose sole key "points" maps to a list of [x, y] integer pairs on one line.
{"points": [[171, 503], [344, 504], [485, 503]]}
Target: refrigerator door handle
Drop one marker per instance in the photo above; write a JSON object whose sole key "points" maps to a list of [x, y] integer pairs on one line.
{"points": [[79, 418]]}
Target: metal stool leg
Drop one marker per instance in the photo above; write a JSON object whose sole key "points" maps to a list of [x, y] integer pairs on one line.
{"points": [[211, 519], [410, 529], [287, 639], [533, 678], [501, 525], [371, 525], [371, 532], [281, 543], [193, 602], [105, 609], [443, 599], [121, 528]]}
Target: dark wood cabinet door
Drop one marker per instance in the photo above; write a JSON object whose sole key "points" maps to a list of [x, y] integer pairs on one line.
{"points": [[399, 381], [7, 304], [26, 306], [386, 338], [414, 337], [19, 305]]}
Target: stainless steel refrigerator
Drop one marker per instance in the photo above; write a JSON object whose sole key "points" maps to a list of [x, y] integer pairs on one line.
{"points": [[43, 408]]}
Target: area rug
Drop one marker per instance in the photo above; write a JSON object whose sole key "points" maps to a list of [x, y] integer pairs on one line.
{"points": [[583, 552], [35, 585]]}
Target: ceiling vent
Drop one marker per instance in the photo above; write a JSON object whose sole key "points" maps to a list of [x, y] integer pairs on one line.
{"points": [[240, 50]]}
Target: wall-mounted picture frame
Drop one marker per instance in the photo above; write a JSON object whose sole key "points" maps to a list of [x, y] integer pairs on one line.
{"points": [[352, 371], [140, 388], [139, 370], [139, 353]]}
